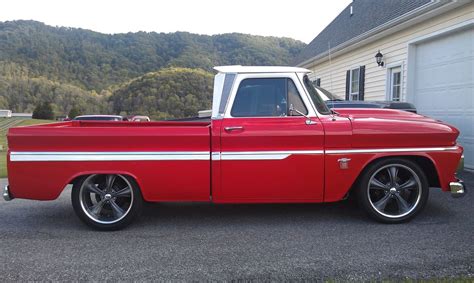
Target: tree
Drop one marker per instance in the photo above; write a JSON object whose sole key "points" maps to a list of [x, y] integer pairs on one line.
{"points": [[74, 112], [44, 111], [3, 103]]}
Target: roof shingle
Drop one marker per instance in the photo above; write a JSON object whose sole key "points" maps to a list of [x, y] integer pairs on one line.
{"points": [[367, 15]]}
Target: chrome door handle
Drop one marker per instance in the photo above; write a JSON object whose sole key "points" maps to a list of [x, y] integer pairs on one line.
{"points": [[235, 128]]}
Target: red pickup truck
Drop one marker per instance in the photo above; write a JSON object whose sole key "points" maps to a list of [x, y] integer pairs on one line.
{"points": [[271, 140]]}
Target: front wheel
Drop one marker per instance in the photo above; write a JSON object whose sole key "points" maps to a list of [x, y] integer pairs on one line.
{"points": [[106, 202], [393, 190]]}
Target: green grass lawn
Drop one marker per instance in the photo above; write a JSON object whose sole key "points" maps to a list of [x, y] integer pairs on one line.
{"points": [[5, 124]]}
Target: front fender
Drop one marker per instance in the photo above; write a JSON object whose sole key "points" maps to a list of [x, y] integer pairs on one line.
{"points": [[339, 181]]}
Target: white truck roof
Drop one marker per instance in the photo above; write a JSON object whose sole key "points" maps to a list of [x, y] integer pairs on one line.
{"points": [[237, 69], [224, 81]]}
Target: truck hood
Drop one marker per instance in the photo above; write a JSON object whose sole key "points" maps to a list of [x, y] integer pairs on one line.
{"points": [[382, 113], [395, 128]]}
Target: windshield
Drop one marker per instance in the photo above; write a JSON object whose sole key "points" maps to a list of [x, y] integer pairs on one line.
{"points": [[317, 100], [326, 95]]}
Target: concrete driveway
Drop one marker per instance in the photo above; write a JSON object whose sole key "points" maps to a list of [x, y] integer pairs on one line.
{"points": [[45, 241]]}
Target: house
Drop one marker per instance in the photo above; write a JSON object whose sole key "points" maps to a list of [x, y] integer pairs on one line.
{"points": [[425, 53]]}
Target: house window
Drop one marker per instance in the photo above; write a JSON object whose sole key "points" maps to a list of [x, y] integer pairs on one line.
{"points": [[395, 83], [354, 84]]}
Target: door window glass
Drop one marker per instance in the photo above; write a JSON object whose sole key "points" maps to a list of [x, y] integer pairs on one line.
{"points": [[294, 99], [266, 98]]}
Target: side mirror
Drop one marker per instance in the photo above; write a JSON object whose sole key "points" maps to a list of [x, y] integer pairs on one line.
{"points": [[308, 120], [293, 109]]}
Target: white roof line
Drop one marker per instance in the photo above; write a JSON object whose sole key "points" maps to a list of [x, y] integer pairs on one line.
{"points": [[260, 69]]}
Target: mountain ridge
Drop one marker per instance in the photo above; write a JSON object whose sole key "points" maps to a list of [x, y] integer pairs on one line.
{"points": [[98, 63]]}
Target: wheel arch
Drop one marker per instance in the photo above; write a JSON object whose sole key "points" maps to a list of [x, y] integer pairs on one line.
{"points": [[425, 162], [78, 176]]}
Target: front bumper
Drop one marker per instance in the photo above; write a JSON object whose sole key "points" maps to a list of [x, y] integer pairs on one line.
{"points": [[6, 194], [458, 189], [460, 165]]}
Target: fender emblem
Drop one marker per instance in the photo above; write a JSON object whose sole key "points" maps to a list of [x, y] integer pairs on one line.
{"points": [[344, 163]]}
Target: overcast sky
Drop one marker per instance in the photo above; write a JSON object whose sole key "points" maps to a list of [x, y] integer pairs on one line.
{"points": [[298, 19]]}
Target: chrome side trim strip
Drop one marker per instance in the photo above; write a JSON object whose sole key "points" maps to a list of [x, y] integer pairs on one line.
{"points": [[216, 156], [230, 156], [198, 155], [264, 155], [108, 156], [385, 150]]}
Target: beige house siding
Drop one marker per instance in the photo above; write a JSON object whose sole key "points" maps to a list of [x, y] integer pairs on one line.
{"points": [[394, 49]]}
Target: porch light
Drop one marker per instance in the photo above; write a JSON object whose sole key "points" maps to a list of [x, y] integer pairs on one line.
{"points": [[379, 58]]}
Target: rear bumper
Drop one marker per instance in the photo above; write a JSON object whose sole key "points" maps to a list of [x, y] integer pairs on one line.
{"points": [[458, 189], [6, 194]]}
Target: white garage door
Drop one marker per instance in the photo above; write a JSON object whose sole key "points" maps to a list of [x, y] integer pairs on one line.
{"points": [[444, 84]]}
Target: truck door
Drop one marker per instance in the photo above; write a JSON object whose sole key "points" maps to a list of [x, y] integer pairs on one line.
{"points": [[269, 151]]}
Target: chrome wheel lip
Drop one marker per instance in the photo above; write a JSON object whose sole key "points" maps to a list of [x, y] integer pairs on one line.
{"points": [[91, 216], [419, 188]]}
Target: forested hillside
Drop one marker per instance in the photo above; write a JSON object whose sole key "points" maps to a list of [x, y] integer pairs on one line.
{"points": [[168, 93], [20, 91], [69, 66]]}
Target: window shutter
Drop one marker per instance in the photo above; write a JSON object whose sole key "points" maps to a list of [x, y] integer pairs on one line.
{"points": [[361, 82], [348, 82]]}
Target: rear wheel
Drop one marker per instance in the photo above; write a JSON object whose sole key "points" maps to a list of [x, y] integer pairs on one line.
{"points": [[393, 190], [107, 202]]}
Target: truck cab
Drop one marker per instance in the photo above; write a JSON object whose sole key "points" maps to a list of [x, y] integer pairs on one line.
{"points": [[271, 135]]}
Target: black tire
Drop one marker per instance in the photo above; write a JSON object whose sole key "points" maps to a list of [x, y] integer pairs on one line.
{"points": [[107, 207], [379, 195]]}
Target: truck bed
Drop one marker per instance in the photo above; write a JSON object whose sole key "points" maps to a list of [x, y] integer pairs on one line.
{"points": [[151, 152], [111, 136]]}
